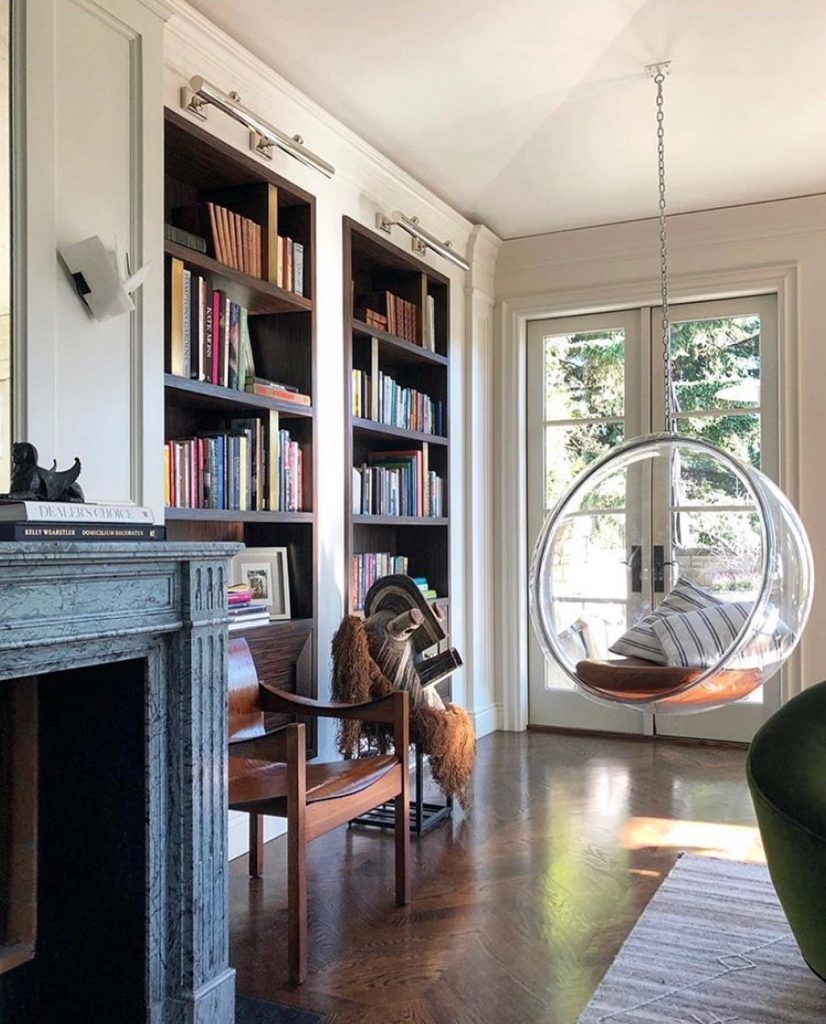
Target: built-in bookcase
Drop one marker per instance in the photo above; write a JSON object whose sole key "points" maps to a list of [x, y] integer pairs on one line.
{"points": [[203, 174], [409, 356]]}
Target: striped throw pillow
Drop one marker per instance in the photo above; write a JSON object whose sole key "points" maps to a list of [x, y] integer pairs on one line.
{"points": [[641, 640], [700, 638]]}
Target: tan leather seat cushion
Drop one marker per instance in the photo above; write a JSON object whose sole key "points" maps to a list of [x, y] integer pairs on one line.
{"points": [[254, 783], [635, 680]]}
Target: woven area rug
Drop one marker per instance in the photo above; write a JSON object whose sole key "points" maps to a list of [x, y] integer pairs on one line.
{"points": [[256, 1011], [712, 947]]}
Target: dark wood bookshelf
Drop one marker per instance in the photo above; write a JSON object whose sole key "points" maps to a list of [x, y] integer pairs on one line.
{"points": [[386, 430], [374, 266], [199, 169], [203, 394], [223, 515], [404, 350], [375, 520], [259, 296]]}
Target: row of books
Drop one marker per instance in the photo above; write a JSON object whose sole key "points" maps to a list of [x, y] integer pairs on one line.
{"points": [[367, 567], [397, 484], [394, 405], [244, 610], [236, 240], [208, 334], [248, 467], [389, 312]]}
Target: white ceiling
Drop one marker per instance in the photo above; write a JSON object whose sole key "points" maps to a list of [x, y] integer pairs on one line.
{"points": [[536, 115]]}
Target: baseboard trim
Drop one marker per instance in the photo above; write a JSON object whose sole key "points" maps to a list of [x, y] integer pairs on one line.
{"points": [[487, 720]]}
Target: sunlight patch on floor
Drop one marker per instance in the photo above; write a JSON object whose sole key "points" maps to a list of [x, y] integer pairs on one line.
{"points": [[703, 838]]}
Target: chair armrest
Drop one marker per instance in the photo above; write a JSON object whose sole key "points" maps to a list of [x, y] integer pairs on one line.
{"points": [[385, 709]]}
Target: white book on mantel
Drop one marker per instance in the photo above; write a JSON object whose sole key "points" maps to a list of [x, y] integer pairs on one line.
{"points": [[73, 512]]}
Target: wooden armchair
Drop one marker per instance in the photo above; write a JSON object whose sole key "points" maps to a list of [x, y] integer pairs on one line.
{"points": [[268, 774]]}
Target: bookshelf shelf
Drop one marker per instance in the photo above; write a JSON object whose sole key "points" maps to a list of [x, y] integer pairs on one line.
{"points": [[385, 430], [382, 281], [365, 520], [202, 394], [221, 515], [255, 218], [405, 351], [257, 295]]}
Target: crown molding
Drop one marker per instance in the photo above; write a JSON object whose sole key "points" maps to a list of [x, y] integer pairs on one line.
{"points": [[357, 161], [163, 8], [688, 232], [482, 252]]}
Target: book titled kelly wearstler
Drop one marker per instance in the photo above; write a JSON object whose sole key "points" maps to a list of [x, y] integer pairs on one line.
{"points": [[73, 512]]}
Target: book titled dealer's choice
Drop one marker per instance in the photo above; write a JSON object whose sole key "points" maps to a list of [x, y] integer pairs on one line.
{"points": [[74, 512]]}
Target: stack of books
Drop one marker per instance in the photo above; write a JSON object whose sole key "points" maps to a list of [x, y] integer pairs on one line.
{"points": [[367, 567], [249, 466], [77, 521], [396, 406], [424, 586], [244, 611], [209, 337], [235, 240], [273, 389], [397, 483], [389, 312]]}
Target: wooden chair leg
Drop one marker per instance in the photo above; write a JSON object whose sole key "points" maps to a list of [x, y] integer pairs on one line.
{"points": [[256, 855], [296, 855], [401, 743]]}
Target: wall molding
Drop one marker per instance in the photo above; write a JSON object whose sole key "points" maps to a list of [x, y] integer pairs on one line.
{"points": [[486, 720]]}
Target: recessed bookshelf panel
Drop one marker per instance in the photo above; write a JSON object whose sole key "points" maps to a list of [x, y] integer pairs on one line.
{"points": [[425, 549], [258, 230], [396, 326]]}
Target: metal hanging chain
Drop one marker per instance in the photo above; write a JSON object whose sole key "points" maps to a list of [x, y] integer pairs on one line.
{"points": [[658, 73]]}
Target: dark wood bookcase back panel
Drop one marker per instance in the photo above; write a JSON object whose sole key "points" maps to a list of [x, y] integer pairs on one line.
{"points": [[373, 266], [200, 169]]}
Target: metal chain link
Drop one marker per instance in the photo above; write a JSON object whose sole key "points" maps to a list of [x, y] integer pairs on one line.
{"points": [[659, 78]]}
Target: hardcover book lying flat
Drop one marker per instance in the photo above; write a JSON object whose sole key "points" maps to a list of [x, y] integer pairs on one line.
{"points": [[73, 512]]}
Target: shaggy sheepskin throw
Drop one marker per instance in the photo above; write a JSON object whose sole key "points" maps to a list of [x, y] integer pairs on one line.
{"points": [[367, 655]]}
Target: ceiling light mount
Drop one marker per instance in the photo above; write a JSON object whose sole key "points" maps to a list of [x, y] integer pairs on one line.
{"points": [[264, 137], [422, 239]]}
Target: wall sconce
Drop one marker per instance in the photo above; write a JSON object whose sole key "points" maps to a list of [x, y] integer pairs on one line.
{"points": [[422, 240], [263, 136]]}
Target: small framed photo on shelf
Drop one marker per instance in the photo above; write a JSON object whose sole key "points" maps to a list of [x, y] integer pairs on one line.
{"points": [[265, 572]]}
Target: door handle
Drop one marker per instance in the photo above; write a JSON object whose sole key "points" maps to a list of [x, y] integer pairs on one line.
{"points": [[634, 563], [659, 563]]}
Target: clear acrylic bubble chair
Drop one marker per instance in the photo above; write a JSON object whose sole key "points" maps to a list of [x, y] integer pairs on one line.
{"points": [[671, 577]]}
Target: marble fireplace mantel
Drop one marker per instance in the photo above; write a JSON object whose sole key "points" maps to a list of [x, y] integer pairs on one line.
{"points": [[68, 606]]}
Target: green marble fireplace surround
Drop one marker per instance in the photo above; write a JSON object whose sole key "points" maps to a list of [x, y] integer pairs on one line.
{"points": [[123, 869]]}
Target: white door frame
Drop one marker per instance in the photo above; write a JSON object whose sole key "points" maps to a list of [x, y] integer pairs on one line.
{"points": [[510, 497]]}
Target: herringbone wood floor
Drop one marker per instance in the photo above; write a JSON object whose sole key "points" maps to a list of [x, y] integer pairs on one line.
{"points": [[516, 912]]}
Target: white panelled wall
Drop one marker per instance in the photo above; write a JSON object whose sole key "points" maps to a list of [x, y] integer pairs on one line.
{"points": [[777, 247]]}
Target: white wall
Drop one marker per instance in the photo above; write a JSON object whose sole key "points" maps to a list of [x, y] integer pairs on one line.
{"points": [[777, 246], [93, 164]]}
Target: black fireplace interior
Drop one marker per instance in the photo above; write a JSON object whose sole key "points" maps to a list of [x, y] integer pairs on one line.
{"points": [[90, 954]]}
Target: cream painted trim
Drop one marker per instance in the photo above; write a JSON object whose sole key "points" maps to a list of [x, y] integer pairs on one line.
{"points": [[513, 543], [190, 29], [486, 720], [19, 255]]}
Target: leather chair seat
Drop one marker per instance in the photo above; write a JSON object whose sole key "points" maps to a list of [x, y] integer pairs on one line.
{"points": [[261, 786]]}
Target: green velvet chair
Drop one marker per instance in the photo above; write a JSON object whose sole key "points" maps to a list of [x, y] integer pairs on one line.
{"points": [[786, 771]]}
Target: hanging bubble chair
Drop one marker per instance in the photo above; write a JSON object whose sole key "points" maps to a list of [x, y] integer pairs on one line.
{"points": [[701, 617], [671, 577]]}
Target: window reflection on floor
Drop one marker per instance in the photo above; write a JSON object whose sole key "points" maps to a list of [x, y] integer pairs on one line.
{"points": [[702, 838]]}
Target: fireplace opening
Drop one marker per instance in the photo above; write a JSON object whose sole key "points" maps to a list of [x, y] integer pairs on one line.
{"points": [[89, 736]]}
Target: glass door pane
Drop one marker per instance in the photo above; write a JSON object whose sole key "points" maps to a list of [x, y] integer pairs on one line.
{"points": [[583, 400], [724, 391]]}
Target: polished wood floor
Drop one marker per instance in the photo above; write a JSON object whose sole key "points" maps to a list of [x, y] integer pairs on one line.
{"points": [[517, 911]]}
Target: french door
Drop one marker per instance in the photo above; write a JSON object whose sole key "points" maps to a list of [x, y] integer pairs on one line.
{"points": [[596, 380]]}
